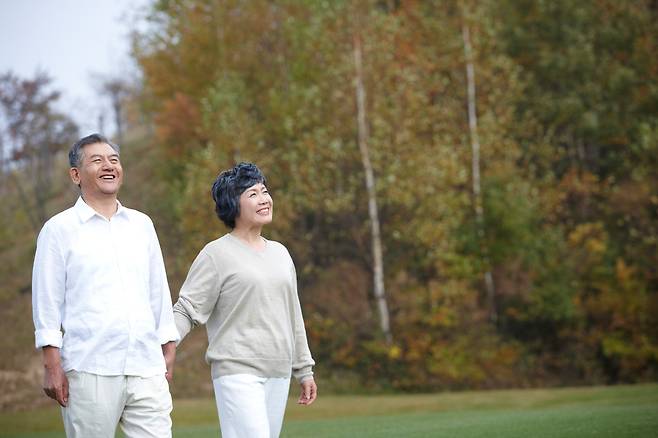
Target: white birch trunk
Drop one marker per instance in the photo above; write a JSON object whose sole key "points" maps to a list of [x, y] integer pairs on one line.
{"points": [[475, 169], [363, 135]]}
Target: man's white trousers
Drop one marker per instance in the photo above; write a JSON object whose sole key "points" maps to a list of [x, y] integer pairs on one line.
{"points": [[141, 405]]}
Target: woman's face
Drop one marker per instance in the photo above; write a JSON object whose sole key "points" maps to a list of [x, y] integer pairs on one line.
{"points": [[255, 207]]}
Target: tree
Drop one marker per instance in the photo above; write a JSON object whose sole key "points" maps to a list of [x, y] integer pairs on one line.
{"points": [[373, 211], [475, 172], [117, 90], [591, 97], [34, 133]]}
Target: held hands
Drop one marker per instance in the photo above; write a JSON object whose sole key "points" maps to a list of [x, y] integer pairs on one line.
{"points": [[55, 383], [169, 353], [309, 392]]}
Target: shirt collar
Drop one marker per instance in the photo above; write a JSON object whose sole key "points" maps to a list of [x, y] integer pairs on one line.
{"points": [[85, 212]]}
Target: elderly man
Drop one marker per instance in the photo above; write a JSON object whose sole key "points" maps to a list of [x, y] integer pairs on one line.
{"points": [[101, 306]]}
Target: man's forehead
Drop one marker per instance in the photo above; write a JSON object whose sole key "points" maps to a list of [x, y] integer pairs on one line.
{"points": [[99, 149]]}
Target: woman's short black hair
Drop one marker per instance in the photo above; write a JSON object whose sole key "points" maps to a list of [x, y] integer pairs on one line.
{"points": [[228, 187]]}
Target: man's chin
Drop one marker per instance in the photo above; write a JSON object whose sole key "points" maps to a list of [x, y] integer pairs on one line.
{"points": [[109, 192]]}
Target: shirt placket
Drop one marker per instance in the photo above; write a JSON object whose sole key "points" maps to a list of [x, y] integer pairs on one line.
{"points": [[120, 248]]}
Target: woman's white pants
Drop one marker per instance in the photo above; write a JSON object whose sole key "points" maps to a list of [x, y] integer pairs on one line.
{"points": [[251, 406]]}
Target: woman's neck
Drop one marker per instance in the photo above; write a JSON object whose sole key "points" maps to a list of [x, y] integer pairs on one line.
{"points": [[250, 236]]}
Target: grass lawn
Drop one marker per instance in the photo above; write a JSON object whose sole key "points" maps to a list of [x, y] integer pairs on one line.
{"points": [[615, 412]]}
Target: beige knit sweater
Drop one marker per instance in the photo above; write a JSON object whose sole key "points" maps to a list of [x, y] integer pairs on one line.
{"points": [[248, 301]]}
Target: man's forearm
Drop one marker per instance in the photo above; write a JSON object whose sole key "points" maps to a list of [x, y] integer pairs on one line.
{"points": [[51, 357], [55, 383]]}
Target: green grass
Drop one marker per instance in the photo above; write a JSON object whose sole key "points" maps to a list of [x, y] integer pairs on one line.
{"points": [[615, 412]]}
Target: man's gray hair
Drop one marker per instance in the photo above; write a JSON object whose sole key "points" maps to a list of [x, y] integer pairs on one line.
{"points": [[75, 154]]}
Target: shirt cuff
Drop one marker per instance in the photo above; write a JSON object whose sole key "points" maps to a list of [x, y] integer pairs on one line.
{"points": [[48, 337], [168, 334]]}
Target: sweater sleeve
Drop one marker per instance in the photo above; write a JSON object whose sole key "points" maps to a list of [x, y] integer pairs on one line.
{"points": [[302, 365], [198, 295]]}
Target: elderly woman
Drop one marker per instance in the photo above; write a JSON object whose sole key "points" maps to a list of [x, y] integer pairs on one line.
{"points": [[243, 287]]}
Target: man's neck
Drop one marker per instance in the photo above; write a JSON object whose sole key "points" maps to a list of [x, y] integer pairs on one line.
{"points": [[105, 206]]}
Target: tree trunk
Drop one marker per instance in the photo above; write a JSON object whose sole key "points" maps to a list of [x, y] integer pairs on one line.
{"points": [[475, 168], [118, 118], [363, 135]]}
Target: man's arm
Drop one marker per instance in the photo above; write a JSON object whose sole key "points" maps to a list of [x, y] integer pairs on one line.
{"points": [[160, 295], [48, 285], [161, 304], [55, 383]]}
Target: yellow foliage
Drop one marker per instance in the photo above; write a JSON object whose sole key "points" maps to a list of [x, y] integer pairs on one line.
{"points": [[624, 272], [591, 235], [394, 352]]}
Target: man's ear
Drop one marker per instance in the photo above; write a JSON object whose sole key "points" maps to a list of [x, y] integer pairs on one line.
{"points": [[74, 173]]}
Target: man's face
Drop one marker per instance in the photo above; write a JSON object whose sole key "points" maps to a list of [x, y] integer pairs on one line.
{"points": [[100, 173]]}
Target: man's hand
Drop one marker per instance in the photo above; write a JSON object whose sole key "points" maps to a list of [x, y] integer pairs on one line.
{"points": [[55, 383], [309, 392], [169, 352]]}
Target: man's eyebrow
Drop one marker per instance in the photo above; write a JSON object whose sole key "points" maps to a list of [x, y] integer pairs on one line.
{"points": [[101, 155]]}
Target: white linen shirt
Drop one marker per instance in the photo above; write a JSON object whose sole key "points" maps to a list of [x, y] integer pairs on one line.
{"points": [[100, 292]]}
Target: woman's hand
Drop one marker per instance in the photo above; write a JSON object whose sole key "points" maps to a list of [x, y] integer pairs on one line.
{"points": [[309, 392]]}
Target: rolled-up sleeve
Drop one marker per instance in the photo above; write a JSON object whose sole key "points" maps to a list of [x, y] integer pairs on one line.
{"points": [[48, 287]]}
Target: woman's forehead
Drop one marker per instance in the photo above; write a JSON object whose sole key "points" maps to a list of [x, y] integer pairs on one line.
{"points": [[256, 187]]}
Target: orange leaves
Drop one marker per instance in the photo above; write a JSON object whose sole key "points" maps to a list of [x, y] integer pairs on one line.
{"points": [[178, 124]]}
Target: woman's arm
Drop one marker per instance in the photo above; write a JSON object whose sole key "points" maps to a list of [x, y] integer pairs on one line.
{"points": [[198, 295]]}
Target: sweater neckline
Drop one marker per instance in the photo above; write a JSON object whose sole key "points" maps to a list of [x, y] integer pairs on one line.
{"points": [[247, 246]]}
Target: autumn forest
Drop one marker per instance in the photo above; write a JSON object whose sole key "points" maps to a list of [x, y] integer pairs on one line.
{"points": [[469, 189]]}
